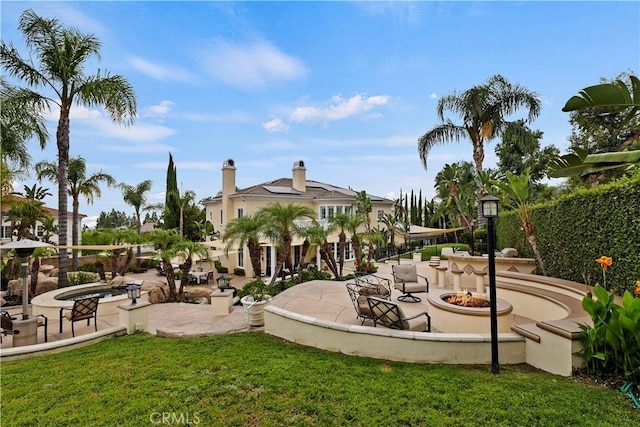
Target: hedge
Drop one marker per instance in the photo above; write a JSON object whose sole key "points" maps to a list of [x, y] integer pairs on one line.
{"points": [[576, 229]]}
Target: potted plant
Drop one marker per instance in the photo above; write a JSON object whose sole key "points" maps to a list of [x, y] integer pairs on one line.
{"points": [[255, 301]]}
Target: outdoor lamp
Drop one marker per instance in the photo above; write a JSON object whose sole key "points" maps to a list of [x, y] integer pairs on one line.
{"points": [[489, 206], [223, 282], [133, 292], [490, 211]]}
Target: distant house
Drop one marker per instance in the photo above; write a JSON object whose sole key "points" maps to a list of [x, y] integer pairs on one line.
{"points": [[6, 232], [325, 199]]}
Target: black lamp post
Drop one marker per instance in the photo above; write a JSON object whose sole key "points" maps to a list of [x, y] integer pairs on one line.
{"points": [[490, 211], [223, 282]]}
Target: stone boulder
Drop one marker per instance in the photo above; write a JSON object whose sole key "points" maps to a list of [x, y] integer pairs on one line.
{"points": [[199, 293], [46, 269], [15, 287], [147, 285], [46, 284], [159, 294], [509, 252], [119, 281]]}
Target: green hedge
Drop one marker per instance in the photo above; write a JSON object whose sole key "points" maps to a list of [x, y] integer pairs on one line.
{"points": [[574, 230]]}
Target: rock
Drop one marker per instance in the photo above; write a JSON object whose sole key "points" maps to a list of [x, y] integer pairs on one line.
{"points": [[46, 269], [118, 281], [47, 284], [509, 252], [159, 295], [197, 293], [147, 285], [53, 273], [15, 287]]}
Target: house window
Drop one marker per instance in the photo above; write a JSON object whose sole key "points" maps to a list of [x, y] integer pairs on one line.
{"points": [[211, 217], [6, 231], [338, 209], [348, 210], [40, 231], [323, 212], [348, 253], [296, 255], [241, 257], [331, 211], [380, 213], [240, 212]]}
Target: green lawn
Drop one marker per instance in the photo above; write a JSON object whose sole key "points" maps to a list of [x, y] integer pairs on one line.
{"points": [[255, 379]]}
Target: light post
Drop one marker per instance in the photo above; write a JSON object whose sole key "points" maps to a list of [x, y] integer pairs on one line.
{"points": [[490, 211], [133, 292]]}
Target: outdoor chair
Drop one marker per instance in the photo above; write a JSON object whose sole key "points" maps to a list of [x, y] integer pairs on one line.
{"points": [[209, 276], [6, 323], [83, 309], [390, 315], [363, 312], [406, 280], [374, 285]]}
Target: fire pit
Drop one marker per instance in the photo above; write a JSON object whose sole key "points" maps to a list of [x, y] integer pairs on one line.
{"points": [[466, 313], [466, 299]]}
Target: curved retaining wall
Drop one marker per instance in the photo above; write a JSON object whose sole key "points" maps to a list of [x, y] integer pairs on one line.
{"points": [[389, 344]]}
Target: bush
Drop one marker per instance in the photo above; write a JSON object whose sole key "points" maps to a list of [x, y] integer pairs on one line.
{"points": [[219, 268], [80, 278], [150, 263], [88, 267], [238, 271]]}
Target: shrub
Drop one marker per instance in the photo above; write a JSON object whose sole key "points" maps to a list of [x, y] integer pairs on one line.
{"points": [[80, 278], [88, 267], [238, 271], [219, 268], [150, 263]]}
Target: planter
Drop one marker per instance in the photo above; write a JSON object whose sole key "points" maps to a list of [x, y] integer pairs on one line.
{"points": [[255, 309]]}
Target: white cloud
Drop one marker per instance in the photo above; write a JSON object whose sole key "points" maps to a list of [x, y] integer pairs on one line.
{"points": [[90, 221], [159, 72], [275, 125], [158, 110], [339, 108], [250, 66], [433, 96]]}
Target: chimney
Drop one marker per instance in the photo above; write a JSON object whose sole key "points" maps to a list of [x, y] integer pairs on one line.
{"points": [[299, 176], [228, 188]]}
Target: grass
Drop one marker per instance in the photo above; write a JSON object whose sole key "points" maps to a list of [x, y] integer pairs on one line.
{"points": [[253, 379]]}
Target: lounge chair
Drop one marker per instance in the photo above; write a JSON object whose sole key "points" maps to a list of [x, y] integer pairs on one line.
{"points": [[375, 286], [406, 280], [83, 309], [6, 323], [390, 315]]}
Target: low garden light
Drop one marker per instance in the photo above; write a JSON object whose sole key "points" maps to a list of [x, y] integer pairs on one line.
{"points": [[133, 292], [490, 211], [223, 282]]}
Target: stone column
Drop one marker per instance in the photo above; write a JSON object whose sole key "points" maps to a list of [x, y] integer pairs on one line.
{"points": [[135, 317]]}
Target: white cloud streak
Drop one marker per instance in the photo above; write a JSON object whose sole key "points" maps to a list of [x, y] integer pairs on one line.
{"points": [[339, 108], [159, 72], [275, 125]]}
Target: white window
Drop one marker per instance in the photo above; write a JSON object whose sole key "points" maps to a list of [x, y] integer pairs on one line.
{"points": [[380, 213], [323, 212], [348, 210], [211, 217], [6, 231], [40, 231], [338, 209], [240, 212], [241, 257], [331, 211]]}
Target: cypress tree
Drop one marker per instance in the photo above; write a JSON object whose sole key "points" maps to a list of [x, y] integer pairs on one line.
{"points": [[172, 197]]}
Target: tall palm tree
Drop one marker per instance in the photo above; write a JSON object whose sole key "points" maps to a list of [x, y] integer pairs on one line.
{"points": [[187, 250], [483, 109], [79, 184], [56, 64], [516, 193], [317, 236], [136, 196], [21, 119], [364, 206], [243, 231], [355, 221], [390, 221], [183, 201], [278, 220], [341, 221]]}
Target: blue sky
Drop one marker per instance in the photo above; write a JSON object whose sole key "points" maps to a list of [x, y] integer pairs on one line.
{"points": [[348, 87]]}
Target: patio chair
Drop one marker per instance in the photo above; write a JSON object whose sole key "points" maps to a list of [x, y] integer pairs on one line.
{"points": [[83, 309], [374, 285], [363, 312], [6, 323], [406, 280], [209, 278], [390, 315]]}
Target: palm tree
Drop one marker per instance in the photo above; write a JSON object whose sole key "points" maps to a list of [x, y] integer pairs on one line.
{"points": [[243, 231], [49, 228], [187, 250], [24, 214], [454, 183], [483, 110], [389, 220], [355, 221], [188, 197], [317, 236], [21, 119], [164, 242], [79, 184], [278, 219], [136, 196], [35, 192], [516, 193], [363, 205], [341, 220], [205, 228], [56, 63]]}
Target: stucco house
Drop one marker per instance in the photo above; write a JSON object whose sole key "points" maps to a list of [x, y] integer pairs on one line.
{"points": [[5, 229], [325, 199]]}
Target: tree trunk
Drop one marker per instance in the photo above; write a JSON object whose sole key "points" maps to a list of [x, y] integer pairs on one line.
{"points": [[74, 232], [534, 245], [254, 255], [62, 139], [125, 266], [100, 268], [185, 269], [329, 259], [35, 267], [341, 249], [171, 281]]}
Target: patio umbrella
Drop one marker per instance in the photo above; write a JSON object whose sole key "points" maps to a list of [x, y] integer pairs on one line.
{"points": [[24, 249]]}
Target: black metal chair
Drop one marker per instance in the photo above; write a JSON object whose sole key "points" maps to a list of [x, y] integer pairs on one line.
{"points": [[390, 315], [6, 324], [375, 286], [83, 309]]}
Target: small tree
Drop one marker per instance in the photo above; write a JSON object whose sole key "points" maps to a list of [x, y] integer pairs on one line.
{"points": [[187, 250]]}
